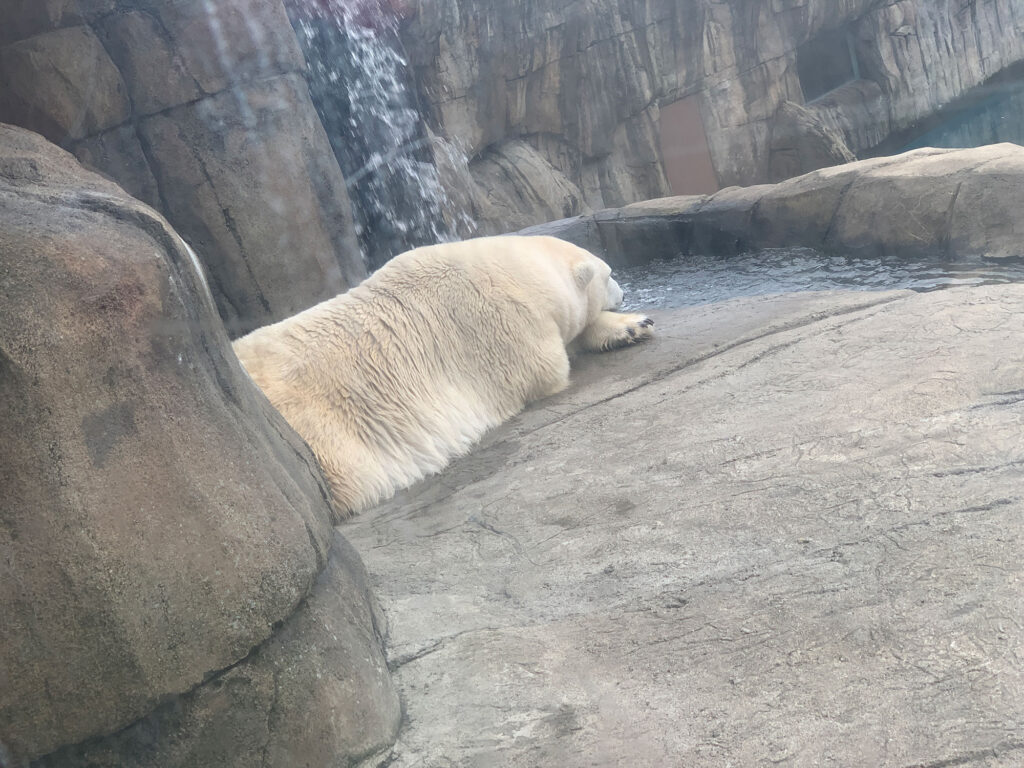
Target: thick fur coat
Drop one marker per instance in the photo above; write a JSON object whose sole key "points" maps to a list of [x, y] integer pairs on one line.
{"points": [[392, 379]]}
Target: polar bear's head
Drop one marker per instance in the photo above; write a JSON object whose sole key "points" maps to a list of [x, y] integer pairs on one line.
{"points": [[594, 276], [614, 297]]}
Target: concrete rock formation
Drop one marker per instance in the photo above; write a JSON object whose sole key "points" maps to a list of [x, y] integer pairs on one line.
{"points": [[928, 202], [166, 538], [802, 142], [589, 84], [200, 110]]}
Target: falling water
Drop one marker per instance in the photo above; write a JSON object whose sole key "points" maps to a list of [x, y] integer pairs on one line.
{"points": [[361, 88]]}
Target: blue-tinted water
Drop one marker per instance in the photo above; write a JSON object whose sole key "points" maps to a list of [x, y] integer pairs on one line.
{"points": [[690, 280], [998, 117]]}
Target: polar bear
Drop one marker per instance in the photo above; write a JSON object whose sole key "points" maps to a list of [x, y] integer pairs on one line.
{"points": [[392, 379]]}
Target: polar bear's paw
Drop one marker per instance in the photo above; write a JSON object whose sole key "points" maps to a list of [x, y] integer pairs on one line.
{"points": [[612, 330]]}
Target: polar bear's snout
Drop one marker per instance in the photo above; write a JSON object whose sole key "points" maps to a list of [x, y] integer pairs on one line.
{"points": [[614, 300]]}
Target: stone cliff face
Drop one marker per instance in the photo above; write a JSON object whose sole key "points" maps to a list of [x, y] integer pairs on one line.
{"points": [[201, 110], [592, 90]]}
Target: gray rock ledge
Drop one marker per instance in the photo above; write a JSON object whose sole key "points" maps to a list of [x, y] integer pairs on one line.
{"points": [[787, 531]]}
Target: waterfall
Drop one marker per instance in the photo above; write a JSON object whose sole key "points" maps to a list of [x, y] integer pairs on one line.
{"points": [[361, 88]]}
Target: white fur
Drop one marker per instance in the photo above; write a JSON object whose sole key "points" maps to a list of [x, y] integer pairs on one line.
{"points": [[389, 381]]}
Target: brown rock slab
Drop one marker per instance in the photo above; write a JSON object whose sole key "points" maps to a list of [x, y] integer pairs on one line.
{"points": [[61, 84], [986, 216], [282, 241], [158, 518], [149, 60], [119, 156], [216, 45], [520, 187], [928, 202], [801, 142], [26, 18], [905, 207]]}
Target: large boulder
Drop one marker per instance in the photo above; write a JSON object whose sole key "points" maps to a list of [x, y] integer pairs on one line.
{"points": [[159, 520], [801, 143], [201, 110], [517, 186], [318, 693]]}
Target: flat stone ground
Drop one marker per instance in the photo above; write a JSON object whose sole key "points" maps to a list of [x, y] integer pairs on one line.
{"points": [[788, 531]]}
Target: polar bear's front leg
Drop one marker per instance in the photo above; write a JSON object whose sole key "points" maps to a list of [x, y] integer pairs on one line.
{"points": [[612, 330]]}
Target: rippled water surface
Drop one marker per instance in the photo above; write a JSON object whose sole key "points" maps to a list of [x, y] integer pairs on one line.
{"points": [[689, 280]]}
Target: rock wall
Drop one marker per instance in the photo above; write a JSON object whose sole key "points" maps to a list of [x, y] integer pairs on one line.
{"points": [[169, 570], [199, 109], [583, 83], [930, 203]]}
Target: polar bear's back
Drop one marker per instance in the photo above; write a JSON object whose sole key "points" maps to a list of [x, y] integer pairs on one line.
{"points": [[388, 381]]}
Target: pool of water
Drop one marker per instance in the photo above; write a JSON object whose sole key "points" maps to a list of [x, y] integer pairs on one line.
{"points": [[690, 280], [994, 113]]}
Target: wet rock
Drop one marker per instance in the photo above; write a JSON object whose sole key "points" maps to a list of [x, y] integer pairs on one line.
{"points": [[159, 519], [789, 528]]}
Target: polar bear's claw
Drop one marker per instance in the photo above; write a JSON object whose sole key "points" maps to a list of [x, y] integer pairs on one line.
{"points": [[613, 330]]}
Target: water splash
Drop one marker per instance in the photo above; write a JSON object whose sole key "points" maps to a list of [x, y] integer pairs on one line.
{"points": [[363, 92]]}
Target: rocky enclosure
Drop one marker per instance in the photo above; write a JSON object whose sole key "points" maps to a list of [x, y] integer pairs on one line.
{"points": [[927, 203], [580, 92]]}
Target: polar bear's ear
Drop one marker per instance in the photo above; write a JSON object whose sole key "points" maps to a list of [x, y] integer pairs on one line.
{"points": [[583, 273]]}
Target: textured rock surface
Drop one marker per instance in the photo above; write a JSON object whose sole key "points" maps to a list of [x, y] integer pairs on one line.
{"points": [[801, 142], [583, 82], [517, 184], [200, 110], [316, 694], [158, 518], [276, 249], [929, 202], [787, 530], [62, 84]]}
